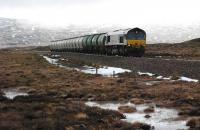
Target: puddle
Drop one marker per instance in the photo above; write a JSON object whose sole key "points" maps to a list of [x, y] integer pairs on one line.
{"points": [[104, 71], [188, 79], [161, 119], [12, 93], [145, 73], [51, 60]]}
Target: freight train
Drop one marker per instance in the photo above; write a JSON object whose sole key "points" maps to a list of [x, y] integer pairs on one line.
{"points": [[127, 42]]}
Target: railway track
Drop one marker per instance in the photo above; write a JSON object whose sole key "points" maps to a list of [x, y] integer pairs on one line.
{"points": [[160, 66], [144, 57]]}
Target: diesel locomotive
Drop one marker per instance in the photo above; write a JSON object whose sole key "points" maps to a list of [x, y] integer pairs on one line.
{"points": [[127, 42]]}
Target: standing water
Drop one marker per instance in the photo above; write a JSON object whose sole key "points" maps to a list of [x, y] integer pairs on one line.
{"points": [[12, 93], [104, 71], [161, 118]]}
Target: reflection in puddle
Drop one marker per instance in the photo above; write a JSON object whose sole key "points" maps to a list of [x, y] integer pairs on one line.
{"points": [[161, 118], [104, 71], [12, 93]]}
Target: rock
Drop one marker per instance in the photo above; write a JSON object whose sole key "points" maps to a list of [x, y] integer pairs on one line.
{"points": [[147, 116], [127, 109], [194, 123], [137, 101], [150, 109], [141, 126], [2, 98]]}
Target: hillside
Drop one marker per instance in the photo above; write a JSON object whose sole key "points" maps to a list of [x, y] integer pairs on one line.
{"points": [[189, 48], [15, 33]]}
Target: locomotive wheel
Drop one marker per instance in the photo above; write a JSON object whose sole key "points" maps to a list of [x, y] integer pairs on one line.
{"points": [[109, 51]]}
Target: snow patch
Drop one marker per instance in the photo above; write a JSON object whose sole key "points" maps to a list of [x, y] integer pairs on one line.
{"points": [[159, 77], [12, 93], [105, 70], [145, 73], [164, 78], [51, 61], [188, 79]]}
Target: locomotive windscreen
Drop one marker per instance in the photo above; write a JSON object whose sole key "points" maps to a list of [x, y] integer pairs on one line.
{"points": [[136, 34]]}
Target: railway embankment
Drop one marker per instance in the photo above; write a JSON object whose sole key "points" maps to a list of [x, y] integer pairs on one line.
{"points": [[160, 66]]}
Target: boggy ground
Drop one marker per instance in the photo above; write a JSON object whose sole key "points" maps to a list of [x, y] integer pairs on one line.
{"points": [[56, 95]]}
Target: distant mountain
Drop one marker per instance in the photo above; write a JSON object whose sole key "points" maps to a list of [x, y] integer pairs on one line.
{"points": [[194, 40], [15, 33], [21, 33], [172, 34]]}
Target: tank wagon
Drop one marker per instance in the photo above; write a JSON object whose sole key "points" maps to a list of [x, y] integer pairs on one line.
{"points": [[119, 42]]}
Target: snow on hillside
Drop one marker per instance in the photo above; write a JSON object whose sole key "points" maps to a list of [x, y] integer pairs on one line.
{"points": [[22, 33]]}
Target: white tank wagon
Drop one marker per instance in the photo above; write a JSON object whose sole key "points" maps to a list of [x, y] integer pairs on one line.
{"points": [[119, 42]]}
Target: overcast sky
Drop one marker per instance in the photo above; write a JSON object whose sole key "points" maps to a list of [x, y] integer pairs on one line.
{"points": [[98, 12]]}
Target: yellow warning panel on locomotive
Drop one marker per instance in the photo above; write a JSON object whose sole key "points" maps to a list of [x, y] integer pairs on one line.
{"points": [[137, 42]]}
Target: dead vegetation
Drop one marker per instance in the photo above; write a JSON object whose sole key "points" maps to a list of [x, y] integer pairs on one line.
{"points": [[187, 49], [56, 96]]}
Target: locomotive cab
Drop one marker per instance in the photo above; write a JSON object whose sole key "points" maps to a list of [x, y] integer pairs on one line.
{"points": [[136, 42]]}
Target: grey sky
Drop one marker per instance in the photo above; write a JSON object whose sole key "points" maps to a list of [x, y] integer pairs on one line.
{"points": [[35, 3], [96, 12]]}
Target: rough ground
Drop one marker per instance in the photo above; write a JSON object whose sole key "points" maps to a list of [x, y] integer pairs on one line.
{"points": [[187, 49], [160, 66], [56, 96]]}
